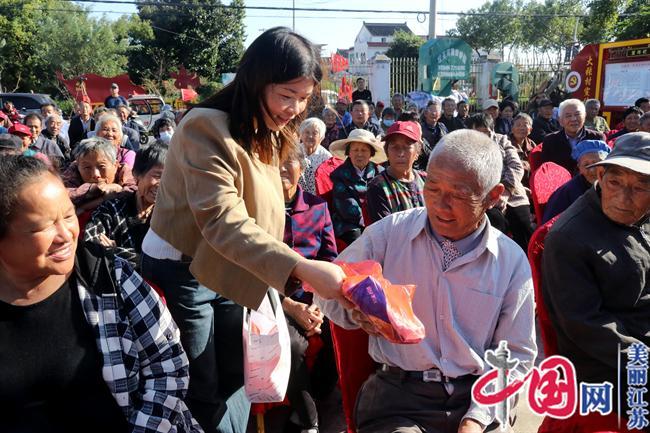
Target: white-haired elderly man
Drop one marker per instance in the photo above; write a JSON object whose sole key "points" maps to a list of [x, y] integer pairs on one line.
{"points": [[53, 131], [596, 268], [558, 146], [474, 289]]}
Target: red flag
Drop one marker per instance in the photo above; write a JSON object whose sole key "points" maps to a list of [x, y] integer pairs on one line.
{"points": [[345, 91], [188, 95], [339, 63]]}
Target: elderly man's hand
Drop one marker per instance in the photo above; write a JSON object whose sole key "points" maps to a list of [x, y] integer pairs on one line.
{"points": [[365, 323], [470, 426]]}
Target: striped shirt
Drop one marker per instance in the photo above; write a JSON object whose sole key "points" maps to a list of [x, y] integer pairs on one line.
{"points": [[387, 195]]}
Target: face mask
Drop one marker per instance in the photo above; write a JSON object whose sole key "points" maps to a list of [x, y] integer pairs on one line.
{"points": [[389, 122], [166, 136]]}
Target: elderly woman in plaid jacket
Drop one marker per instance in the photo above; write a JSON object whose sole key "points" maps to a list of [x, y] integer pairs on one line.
{"points": [[87, 344]]}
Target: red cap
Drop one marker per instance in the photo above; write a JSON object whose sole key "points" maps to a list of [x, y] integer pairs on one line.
{"points": [[19, 129], [380, 104], [407, 129]]}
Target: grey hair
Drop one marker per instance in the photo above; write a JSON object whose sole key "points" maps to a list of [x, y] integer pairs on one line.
{"points": [[473, 152], [645, 117], [524, 116], [52, 117], [96, 145], [435, 102], [589, 102], [313, 122], [108, 118], [577, 103]]}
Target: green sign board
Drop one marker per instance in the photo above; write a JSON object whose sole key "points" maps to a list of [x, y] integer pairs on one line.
{"points": [[442, 61]]}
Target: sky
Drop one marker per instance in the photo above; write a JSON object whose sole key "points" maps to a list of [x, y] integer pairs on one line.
{"points": [[334, 29]]}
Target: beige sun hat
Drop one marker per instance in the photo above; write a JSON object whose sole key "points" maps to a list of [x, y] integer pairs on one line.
{"points": [[337, 148]]}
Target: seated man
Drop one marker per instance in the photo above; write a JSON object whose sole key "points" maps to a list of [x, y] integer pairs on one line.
{"points": [[474, 289], [596, 266], [559, 145]]}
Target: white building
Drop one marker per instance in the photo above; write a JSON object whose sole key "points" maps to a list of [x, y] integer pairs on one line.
{"points": [[372, 39]]}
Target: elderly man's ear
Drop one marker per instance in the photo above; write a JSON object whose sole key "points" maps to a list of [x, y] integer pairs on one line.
{"points": [[494, 195]]}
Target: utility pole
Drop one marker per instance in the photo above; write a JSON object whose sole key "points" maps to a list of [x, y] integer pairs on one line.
{"points": [[432, 18], [294, 15]]}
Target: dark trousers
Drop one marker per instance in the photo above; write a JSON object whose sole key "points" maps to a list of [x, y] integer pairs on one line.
{"points": [[304, 386], [520, 225], [389, 403], [211, 334]]}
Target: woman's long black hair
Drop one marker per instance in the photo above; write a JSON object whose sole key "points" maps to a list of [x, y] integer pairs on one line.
{"points": [[277, 56]]}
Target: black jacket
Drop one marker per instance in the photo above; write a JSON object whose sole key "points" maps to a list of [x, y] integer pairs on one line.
{"points": [[452, 123], [557, 148], [76, 131], [596, 287], [543, 127], [369, 126]]}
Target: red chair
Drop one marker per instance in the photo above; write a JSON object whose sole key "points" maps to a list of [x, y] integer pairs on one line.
{"points": [[354, 366], [535, 158], [535, 251], [323, 182], [543, 184]]}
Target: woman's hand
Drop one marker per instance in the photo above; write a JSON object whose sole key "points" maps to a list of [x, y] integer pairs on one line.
{"points": [[325, 278], [109, 188]]}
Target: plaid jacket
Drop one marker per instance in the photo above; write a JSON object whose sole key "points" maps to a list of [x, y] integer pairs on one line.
{"points": [[144, 365], [117, 219], [387, 195]]}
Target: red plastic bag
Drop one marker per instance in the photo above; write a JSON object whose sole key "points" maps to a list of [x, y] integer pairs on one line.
{"points": [[388, 306]]}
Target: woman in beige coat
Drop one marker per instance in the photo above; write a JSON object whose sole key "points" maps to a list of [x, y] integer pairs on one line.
{"points": [[215, 242]]}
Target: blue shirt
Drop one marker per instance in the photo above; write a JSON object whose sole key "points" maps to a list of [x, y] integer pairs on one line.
{"points": [[114, 101]]}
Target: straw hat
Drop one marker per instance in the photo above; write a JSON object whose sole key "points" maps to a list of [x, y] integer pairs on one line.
{"points": [[337, 148]]}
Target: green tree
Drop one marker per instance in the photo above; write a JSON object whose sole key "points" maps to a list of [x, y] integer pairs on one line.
{"points": [[493, 31], [203, 35], [405, 44], [634, 26]]}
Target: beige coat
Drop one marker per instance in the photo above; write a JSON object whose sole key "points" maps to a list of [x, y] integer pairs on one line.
{"points": [[224, 209]]}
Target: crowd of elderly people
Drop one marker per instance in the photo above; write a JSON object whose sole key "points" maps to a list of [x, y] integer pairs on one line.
{"points": [[440, 198]]}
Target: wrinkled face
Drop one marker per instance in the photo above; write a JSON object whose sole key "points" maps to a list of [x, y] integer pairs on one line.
{"points": [[521, 128], [592, 110], [463, 110], [507, 113], [625, 194], [148, 184], [448, 107], [591, 174], [112, 132], [493, 112], [35, 126], [360, 154], [84, 110], [455, 208], [124, 114], [546, 112], [42, 236], [54, 127], [47, 111], [398, 102], [632, 122], [432, 114], [645, 125], [572, 119], [95, 167], [311, 137], [290, 173], [284, 101], [402, 152], [329, 118], [360, 114]]}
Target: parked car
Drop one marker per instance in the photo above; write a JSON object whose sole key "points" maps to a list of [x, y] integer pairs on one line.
{"points": [[26, 103], [147, 107]]}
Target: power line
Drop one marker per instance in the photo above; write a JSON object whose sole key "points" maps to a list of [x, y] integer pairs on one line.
{"points": [[344, 10]]}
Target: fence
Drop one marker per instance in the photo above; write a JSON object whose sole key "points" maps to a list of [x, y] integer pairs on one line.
{"points": [[403, 75]]}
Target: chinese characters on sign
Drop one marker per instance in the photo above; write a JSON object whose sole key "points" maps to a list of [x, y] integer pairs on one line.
{"points": [[553, 389]]}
